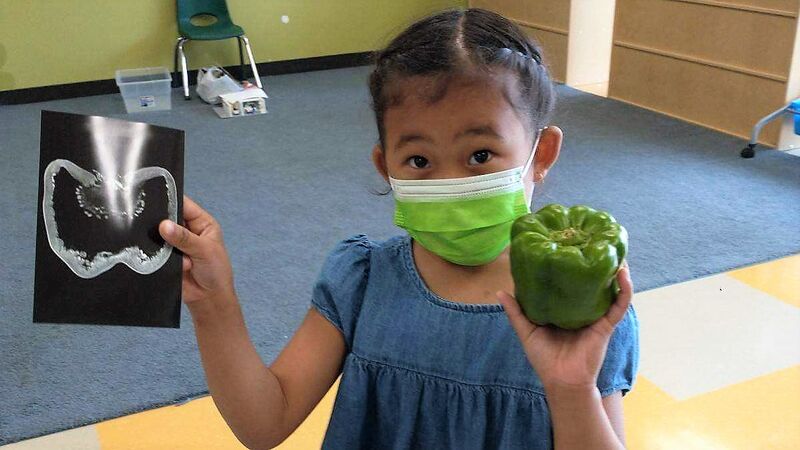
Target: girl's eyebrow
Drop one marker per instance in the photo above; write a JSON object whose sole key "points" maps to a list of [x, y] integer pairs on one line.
{"points": [[478, 130]]}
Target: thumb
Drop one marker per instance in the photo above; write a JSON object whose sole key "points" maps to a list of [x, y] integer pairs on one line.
{"points": [[519, 322], [180, 238]]}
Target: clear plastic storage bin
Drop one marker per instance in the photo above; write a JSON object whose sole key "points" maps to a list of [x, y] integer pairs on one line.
{"points": [[146, 89]]}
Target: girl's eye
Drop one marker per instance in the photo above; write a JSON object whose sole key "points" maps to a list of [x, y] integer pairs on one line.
{"points": [[418, 162], [480, 157]]}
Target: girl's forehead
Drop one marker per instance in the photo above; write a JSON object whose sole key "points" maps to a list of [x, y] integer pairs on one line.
{"points": [[428, 90], [425, 101]]}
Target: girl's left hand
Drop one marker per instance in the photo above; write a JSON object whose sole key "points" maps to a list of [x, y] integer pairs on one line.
{"points": [[569, 358]]}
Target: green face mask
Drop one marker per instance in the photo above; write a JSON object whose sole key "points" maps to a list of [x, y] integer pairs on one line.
{"points": [[466, 221]]}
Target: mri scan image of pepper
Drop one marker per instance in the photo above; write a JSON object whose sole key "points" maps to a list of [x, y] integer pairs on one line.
{"points": [[98, 217], [106, 206]]}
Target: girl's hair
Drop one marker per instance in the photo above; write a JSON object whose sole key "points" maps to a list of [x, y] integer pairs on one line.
{"points": [[463, 43]]}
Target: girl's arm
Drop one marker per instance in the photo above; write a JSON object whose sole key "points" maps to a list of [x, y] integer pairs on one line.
{"points": [[263, 405], [580, 418]]}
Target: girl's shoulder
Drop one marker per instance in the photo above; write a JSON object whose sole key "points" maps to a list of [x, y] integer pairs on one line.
{"points": [[353, 258], [359, 248], [365, 241], [340, 288]]}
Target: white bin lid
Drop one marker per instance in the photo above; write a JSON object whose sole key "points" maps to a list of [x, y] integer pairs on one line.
{"points": [[143, 75], [243, 95]]}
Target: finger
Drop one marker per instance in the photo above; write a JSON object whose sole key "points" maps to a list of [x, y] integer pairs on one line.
{"points": [[521, 325], [181, 238], [624, 297], [198, 220], [187, 263]]}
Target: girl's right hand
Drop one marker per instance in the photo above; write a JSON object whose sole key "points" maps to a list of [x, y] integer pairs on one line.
{"points": [[207, 272]]}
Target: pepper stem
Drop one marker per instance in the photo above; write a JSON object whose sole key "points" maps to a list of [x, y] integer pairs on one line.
{"points": [[570, 236]]}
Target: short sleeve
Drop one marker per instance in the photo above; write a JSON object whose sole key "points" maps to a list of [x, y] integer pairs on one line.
{"points": [[622, 357], [339, 290]]}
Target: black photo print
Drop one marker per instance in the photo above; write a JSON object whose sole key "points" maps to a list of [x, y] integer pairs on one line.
{"points": [[104, 186]]}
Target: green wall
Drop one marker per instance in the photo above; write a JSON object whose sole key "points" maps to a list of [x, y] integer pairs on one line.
{"points": [[47, 42]]}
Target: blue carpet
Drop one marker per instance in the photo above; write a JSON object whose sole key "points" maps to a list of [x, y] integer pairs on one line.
{"points": [[288, 185]]}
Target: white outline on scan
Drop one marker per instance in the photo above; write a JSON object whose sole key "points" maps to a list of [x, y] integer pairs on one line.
{"points": [[128, 255]]}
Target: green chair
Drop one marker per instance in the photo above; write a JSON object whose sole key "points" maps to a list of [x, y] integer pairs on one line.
{"points": [[222, 28]]}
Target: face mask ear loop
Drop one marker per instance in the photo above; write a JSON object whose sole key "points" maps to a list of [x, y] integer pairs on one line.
{"points": [[533, 152]]}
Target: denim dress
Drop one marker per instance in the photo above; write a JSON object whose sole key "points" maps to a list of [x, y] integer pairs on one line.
{"points": [[425, 372]]}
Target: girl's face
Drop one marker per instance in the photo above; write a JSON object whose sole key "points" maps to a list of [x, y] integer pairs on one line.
{"points": [[472, 130]]}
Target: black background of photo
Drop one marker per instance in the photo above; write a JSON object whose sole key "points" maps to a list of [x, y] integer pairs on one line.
{"points": [[118, 296]]}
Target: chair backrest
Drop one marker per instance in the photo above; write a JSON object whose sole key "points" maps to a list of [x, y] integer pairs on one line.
{"points": [[190, 8]]}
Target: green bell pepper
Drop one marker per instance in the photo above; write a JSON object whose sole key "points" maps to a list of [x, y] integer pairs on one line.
{"points": [[564, 263]]}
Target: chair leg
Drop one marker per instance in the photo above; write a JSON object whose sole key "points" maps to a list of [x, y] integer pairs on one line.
{"points": [[184, 69], [242, 75], [174, 82], [246, 41]]}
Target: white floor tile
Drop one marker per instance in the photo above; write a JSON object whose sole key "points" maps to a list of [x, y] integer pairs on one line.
{"points": [[705, 334], [83, 438]]}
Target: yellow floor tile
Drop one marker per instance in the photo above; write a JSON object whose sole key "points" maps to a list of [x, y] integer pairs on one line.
{"points": [[198, 424], [779, 278], [310, 433], [645, 397], [761, 413]]}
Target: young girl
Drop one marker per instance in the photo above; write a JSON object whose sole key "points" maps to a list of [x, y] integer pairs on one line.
{"points": [[428, 357]]}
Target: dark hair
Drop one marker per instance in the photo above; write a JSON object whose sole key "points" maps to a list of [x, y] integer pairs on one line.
{"points": [[463, 43]]}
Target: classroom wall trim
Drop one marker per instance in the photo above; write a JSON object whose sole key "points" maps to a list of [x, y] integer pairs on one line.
{"points": [[538, 26], [707, 62], [100, 87], [742, 7]]}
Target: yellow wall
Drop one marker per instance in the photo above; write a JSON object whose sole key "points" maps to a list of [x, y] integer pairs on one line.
{"points": [[47, 42]]}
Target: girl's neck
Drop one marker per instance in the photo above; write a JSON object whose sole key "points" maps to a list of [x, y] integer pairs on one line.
{"points": [[468, 284]]}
